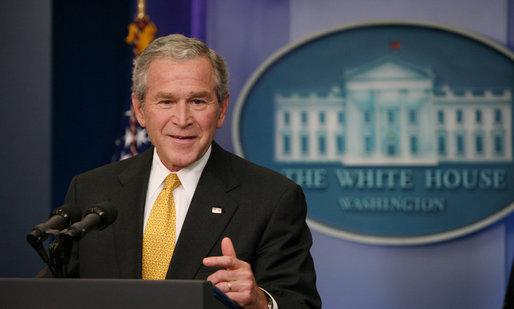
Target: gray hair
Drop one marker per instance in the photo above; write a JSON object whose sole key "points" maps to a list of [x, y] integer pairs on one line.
{"points": [[177, 47]]}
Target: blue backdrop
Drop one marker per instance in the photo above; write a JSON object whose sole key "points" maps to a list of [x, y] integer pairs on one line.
{"points": [[82, 95]]}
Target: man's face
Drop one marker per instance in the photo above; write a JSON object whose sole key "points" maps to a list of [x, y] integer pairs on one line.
{"points": [[181, 111]]}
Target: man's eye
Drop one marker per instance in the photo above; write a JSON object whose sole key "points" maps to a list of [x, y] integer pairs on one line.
{"points": [[166, 102], [198, 102]]}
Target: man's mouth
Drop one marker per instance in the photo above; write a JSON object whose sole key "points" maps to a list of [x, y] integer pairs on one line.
{"points": [[182, 137]]}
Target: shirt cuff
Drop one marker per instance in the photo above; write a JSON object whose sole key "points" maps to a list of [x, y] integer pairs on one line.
{"points": [[274, 306]]}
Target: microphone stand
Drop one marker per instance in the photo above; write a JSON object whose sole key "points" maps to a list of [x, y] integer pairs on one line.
{"points": [[60, 252], [52, 259], [55, 259], [35, 239]]}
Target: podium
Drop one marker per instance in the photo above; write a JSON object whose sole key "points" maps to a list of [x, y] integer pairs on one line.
{"points": [[110, 293]]}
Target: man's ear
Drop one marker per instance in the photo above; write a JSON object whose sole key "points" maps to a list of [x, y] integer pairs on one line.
{"points": [[223, 111], [138, 109]]}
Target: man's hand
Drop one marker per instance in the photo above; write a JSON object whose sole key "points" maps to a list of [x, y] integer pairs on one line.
{"points": [[236, 280]]}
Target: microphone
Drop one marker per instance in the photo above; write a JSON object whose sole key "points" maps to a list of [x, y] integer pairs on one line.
{"points": [[95, 218], [59, 219]]}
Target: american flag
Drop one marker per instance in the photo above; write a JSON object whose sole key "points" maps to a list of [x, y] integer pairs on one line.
{"points": [[133, 138]]}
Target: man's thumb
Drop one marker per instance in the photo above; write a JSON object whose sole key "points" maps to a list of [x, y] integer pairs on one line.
{"points": [[227, 248]]}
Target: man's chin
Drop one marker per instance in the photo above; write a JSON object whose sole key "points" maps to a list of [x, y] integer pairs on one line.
{"points": [[178, 161]]}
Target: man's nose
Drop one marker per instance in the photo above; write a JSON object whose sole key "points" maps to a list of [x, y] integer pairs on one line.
{"points": [[182, 114]]}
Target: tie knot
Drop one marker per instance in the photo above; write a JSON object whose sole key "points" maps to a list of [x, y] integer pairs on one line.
{"points": [[171, 182]]}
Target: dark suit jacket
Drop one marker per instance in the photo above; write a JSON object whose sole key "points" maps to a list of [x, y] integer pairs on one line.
{"points": [[263, 213]]}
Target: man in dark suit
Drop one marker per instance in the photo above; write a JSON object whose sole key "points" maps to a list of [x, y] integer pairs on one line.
{"points": [[238, 225]]}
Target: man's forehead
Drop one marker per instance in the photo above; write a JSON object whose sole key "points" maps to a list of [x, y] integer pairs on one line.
{"points": [[190, 94], [160, 65]]}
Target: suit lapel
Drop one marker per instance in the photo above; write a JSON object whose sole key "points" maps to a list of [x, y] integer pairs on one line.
{"points": [[203, 227], [131, 201]]}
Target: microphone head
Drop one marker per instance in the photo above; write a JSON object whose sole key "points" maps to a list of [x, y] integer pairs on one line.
{"points": [[70, 213], [107, 212]]}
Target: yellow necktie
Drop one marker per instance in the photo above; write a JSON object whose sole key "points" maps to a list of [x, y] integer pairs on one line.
{"points": [[159, 235]]}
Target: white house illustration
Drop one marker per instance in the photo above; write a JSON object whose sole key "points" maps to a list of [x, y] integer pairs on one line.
{"points": [[389, 113]]}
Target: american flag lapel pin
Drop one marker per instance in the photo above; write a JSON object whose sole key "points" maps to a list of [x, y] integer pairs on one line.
{"points": [[217, 210]]}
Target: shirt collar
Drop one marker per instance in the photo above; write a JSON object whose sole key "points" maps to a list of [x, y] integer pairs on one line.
{"points": [[189, 175]]}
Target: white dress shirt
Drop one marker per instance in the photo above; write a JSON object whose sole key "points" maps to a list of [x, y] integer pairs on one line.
{"points": [[183, 194]]}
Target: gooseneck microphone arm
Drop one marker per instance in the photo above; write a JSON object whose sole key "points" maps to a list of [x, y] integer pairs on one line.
{"points": [[96, 218], [59, 219]]}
